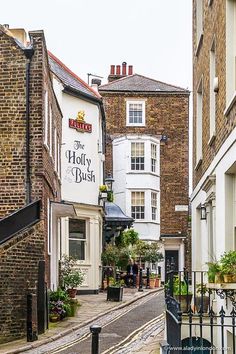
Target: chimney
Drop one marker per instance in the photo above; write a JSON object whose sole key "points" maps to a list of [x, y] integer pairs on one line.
{"points": [[95, 83], [124, 68], [130, 70], [20, 34], [119, 71]]}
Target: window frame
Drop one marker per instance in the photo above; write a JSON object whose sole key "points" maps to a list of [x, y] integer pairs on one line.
{"points": [[136, 209], [80, 240], [153, 158], [128, 123], [154, 206], [138, 160]]}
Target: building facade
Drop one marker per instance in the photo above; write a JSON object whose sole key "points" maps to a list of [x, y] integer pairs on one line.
{"points": [[147, 153], [82, 160], [213, 200], [30, 139]]}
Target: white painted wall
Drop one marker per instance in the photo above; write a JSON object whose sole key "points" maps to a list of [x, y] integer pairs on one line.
{"points": [[81, 156]]}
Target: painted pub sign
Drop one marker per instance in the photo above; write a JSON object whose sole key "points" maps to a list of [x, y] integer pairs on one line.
{"points": [[79, 123]]}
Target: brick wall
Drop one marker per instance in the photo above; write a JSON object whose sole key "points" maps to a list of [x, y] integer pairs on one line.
{"points": [[18, 275], [165, 114], [214, 26], [24, 254]]}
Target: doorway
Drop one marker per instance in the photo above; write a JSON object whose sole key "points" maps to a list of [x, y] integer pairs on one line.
{"points": [[171, 261]]}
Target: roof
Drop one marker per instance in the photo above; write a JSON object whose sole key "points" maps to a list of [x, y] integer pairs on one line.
{"points": [[70, 79], [140, 83]]}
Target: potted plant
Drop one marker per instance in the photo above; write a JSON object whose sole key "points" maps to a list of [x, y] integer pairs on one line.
{"points": [[181, 293], [158, 281], [59, 305], [214, 272], [202, 297], [228, 266], [72, 277], [152, 281], [103, 191], [115, 290]]}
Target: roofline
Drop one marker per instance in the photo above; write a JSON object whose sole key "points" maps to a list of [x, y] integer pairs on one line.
{"points": [[158, 81], [59, 62], [147, 92], [98, 101]]}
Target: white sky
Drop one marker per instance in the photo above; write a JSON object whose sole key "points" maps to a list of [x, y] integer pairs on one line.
{"points": [[88, 36]]}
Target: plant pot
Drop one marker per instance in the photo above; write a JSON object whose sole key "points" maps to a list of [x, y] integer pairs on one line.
{"points": [[184, 301], [204, 303], [54, 318], [114, 293], [73, 307], [152, 283], [228, 278], [72, 293], [158, 282], [218, 278]]}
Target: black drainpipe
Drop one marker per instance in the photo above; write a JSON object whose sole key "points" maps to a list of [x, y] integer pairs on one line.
{"points": [[29, 54]]}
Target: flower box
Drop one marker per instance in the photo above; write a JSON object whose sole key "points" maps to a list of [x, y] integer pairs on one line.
{"points": [[114, 293]]}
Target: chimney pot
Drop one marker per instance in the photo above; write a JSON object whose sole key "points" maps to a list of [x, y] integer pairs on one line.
{"points": [[130, 72], [124, 68], [112, 70], [117, 69]]}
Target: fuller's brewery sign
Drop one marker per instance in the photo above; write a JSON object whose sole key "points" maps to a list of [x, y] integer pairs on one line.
{"points": [[80, 124]]}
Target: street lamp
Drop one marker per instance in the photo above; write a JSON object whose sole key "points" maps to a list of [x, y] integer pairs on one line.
{"points": [[109, 181], [203, 212]]}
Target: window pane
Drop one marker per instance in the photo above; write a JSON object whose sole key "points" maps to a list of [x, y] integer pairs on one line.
{"points": [[77, 228], [77, 249], [135, 113]]}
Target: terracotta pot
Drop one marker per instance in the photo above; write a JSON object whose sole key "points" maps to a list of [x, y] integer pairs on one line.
{"points": [[152, 283], [228, 278], [158, 283], [72, 293], [54, 318]]}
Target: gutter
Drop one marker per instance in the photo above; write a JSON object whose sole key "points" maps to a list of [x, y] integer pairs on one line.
{"points": [[29, 52]]}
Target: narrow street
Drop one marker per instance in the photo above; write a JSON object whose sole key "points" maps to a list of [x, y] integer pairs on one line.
{"points": [[123, 330], [119, 331]]}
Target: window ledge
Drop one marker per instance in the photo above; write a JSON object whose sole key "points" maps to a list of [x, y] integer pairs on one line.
{"points": [[198, 164], [135, 125], [142, 173], [212, 139], [199, 45], [230, 105]]}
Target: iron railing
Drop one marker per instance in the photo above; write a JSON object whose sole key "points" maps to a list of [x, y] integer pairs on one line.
{"points": [[193, 322]]}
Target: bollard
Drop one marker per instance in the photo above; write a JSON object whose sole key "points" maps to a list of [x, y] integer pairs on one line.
{"points": [[140, 280], [117, 277], [95, 330], [148, 278]]}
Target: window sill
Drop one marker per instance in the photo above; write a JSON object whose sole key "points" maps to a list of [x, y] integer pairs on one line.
{"points": [[198, 164], [212, 139], [199, 45], [140, 172], [142, 221], [230, 105], [135, 125]]}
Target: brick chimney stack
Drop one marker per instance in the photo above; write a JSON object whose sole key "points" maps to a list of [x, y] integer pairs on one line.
{"points": [[119, 71]]}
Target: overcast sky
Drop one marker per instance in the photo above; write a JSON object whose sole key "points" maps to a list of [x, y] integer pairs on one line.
{"points": [[89, 35]]}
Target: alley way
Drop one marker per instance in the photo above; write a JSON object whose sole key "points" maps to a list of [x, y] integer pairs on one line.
{"points": [[136, 321]]}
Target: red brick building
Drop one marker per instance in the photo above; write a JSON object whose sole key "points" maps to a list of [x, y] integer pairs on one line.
{"points": [[147, 153], [30, 139]]}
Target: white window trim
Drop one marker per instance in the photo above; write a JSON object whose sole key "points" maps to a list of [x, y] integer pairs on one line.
{"points": [[131, 205], [49, 227], [212, 93], [46, 118], [80, 261], [143, 110], [199, 119]]}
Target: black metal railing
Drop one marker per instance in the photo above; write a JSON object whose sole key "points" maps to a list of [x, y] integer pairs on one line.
{"points": [[191, 322], [19, 220]]}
